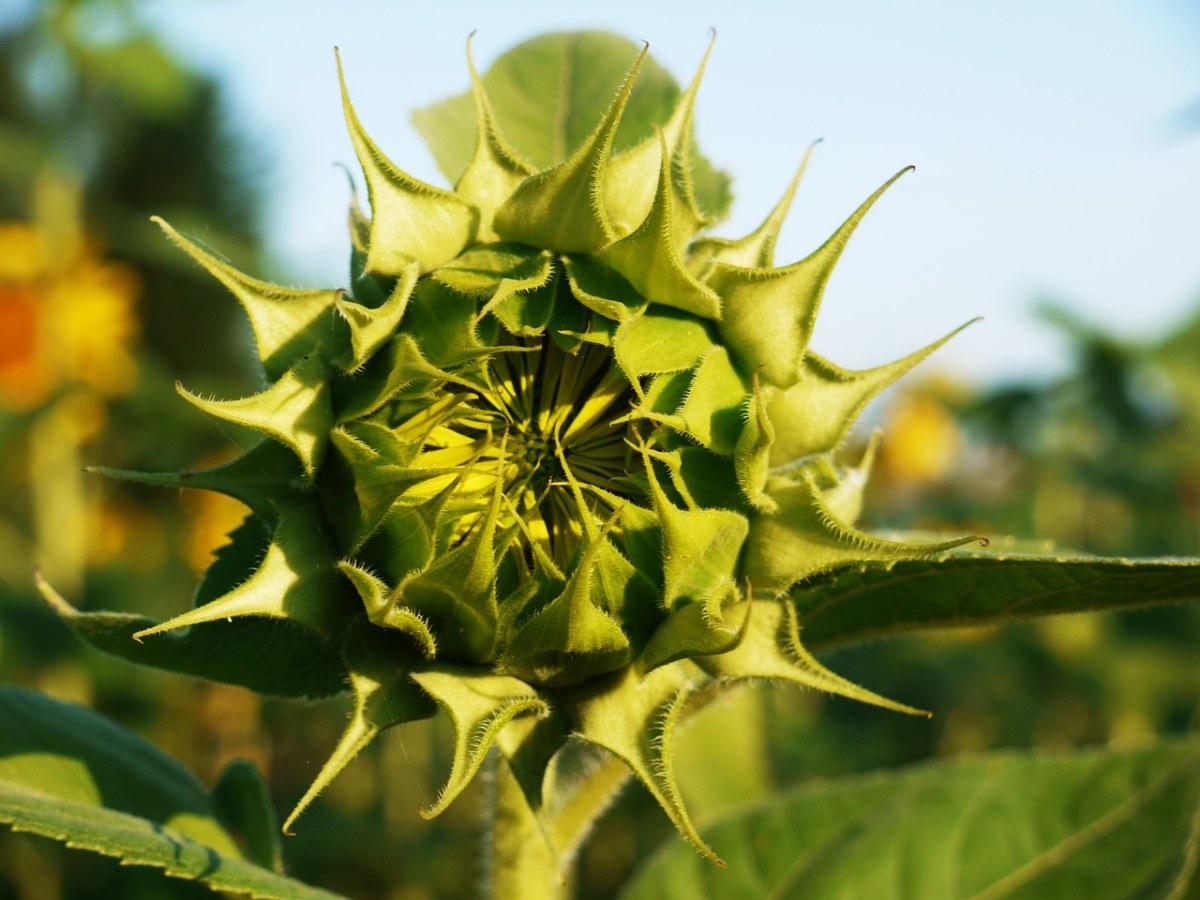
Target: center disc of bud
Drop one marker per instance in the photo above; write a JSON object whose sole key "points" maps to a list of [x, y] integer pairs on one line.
{"points": [[547, 433]]}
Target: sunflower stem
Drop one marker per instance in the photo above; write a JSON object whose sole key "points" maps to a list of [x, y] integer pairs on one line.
{"points": [[520, 860]]}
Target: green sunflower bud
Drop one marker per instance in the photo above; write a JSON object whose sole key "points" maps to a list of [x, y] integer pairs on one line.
{"points": [[553, 456]]}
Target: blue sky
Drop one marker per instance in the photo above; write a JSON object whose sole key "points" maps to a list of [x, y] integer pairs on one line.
{"points": [[1049, 159]]}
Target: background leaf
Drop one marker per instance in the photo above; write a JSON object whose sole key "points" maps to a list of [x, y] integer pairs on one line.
{"points": [[548, 95], [1101, 824], [69, 774], [980, 588], [242, 802]]}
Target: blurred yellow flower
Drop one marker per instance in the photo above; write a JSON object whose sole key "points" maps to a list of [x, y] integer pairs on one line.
{"points": [[66, 318], [922, 442], [67, 335], [210, 518], [122, 531]]}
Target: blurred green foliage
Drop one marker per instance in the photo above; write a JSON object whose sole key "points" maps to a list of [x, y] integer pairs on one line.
{"points": [[99, 128], [1104, 458]]}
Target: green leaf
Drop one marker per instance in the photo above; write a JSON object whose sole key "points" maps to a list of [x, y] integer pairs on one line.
{"points": [[372, 327], [1104, 824], [975, 587], [805, 537], [529, 743], [495, 169], [456, 594], [572, 638], [241, 800], [479, 706], [661, 340], [514, 281], [384, 697], [770, 650], [442, 322], [68, 774], [634, 719], [260, 477], [769, 314], [713, 412], [752, 453], [755, 250], [410, 221], [370, 484], [483, 270], [700, 547], [562, 208], [270, 656], [698, 629], [296, 580], [602, 289], [547, 95], [816, 413], [631, 177], [649, 256], [382, 610], [288, 324], [399, 365], [407, 539], [295, 410]]}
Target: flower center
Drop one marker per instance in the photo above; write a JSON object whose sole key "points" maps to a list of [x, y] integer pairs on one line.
{"points": [[545, 430]]}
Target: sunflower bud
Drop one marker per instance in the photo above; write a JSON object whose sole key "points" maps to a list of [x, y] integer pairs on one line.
{"points": [[554, 456]]}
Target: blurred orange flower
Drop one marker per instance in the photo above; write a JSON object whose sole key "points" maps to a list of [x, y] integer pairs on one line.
{"points": [[66, 318]]}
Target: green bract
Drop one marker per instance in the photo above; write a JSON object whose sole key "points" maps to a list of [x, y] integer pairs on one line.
{"points": [[551, 464]]}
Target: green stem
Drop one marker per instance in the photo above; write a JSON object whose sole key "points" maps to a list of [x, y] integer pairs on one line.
{"points": [[532, 856], [521, 862]]}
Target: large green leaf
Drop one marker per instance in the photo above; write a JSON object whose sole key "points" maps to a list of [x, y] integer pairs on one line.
{"points": [[1102, 825], [549, 93], [975, 587], [69, 774]]}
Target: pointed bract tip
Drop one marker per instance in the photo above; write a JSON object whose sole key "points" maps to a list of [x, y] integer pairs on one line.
{"points": [[349, 177], [695, 83], [471, 58], [337, 57], [53, 598]]}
